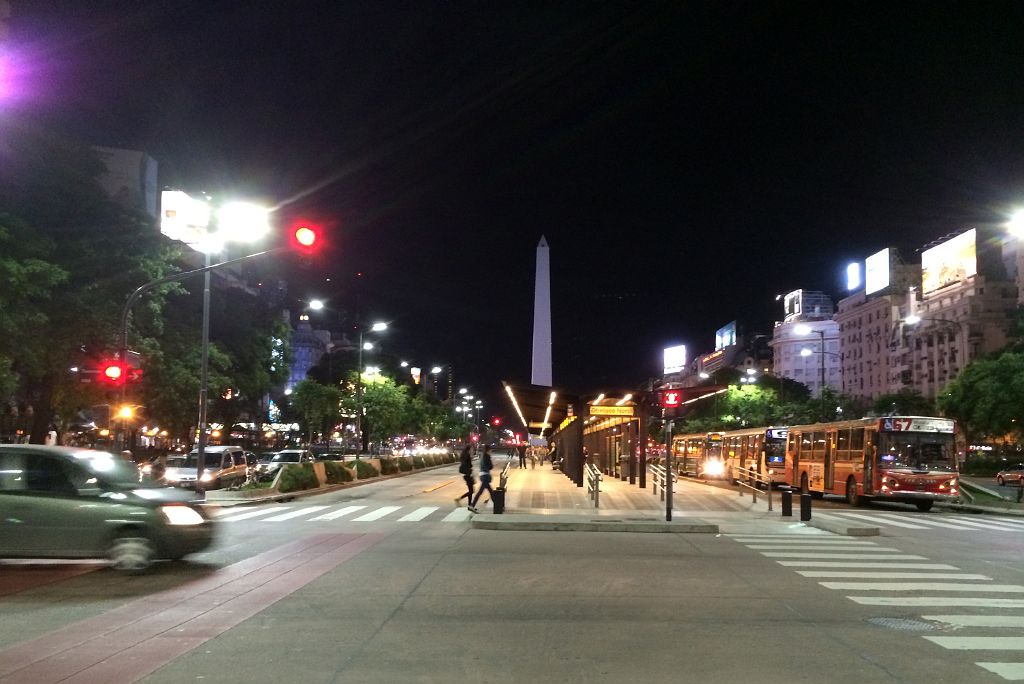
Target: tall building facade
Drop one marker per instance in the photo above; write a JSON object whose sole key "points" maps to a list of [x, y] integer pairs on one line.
{"points": [[805, 344]]}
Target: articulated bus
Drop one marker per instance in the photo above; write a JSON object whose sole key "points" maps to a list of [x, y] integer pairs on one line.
{"points": [[911, 459], [714, 455]]}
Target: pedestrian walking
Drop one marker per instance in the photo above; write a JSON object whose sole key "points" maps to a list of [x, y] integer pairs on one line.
{"points": [[485, 477], [522, 456], [466, 468]]}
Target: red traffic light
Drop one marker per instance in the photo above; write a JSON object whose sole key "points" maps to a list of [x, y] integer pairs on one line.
{"points": [[496, 420], [670, 398], [113, 372], [305, 237], [474, 437]]}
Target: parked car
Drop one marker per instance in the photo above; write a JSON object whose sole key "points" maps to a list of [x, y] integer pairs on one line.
{"points": [[66, 502], [223, 466], [267, 469], [1013, 475]]}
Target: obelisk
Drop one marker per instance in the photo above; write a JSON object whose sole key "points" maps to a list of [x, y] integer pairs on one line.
{"points": [[542, 317]]}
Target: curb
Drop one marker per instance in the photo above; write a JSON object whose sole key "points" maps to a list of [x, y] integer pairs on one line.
{"points": [[837, 527]]}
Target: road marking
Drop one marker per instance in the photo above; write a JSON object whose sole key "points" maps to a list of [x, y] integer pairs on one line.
{"points": [[891, 575], [859, 564], [809, 542], [334, 515], [822, 547], [1011, 671], [840, 556], [979, 620], [458, 515], [443, 484], [987, 525], [978, 643], [418, 514], [925, 586], [1011, 521], [924, 601], [874, 519], [377, 514], [253, 514], [294, 514], [929, 522]]}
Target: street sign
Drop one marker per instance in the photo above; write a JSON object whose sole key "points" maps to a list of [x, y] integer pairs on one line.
{"points": [[543, 426], [626, 411]]}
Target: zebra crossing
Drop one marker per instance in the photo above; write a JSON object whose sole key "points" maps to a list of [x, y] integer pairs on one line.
{"points": [[840, 564], [930, 521], [360, 513]]}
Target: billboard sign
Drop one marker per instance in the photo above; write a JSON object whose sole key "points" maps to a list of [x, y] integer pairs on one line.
{"points": [[675, 359], [184, 218], [853, 276], [792, 304], [876, 272], [951, 262], [725, 336]]}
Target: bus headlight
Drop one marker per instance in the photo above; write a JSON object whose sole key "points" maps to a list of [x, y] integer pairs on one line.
{"points": [[714, 468]]}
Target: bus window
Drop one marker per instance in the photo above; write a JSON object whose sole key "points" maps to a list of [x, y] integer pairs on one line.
{"points": [[843, 444], [857, 439], [806, 443], [818, 445]]}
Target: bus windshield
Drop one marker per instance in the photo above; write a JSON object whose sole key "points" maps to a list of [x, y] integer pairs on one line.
{"points": [[775, 450], [917, 451]]}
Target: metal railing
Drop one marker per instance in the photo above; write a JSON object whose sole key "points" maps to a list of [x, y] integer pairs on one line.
{"points": [[746, 478], [594, 484], [658, 479], [503, 477]]}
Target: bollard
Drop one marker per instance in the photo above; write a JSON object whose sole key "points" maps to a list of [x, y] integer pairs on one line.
{"points": [[805, 507], [1020, 490], [787, 503]]}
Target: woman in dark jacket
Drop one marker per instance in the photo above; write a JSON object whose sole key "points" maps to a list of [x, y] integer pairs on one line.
{"points": [[485, 477], [466, 468]]}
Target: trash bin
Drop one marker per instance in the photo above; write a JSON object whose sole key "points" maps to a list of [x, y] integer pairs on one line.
{"points": [[623, 466], [499, 500]]}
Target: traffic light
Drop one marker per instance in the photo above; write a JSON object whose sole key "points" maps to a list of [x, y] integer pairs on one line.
{"points": [[474, 437], [496, 420], [305, 237], [113, 372]]}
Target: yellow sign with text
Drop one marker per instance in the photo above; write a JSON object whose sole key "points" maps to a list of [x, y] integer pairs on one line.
{"points": [[612, 411]]}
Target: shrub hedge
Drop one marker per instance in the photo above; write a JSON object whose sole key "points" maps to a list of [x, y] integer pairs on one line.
{"points": [[417, 462], [336, 472], [364, 469], [404, 464], [296, 477], [388, 466]]}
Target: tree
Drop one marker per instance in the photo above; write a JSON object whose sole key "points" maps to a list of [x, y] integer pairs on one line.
{"points": [[319, 406], [906, 402], [987, 396], [100, 252], [385, 405]]}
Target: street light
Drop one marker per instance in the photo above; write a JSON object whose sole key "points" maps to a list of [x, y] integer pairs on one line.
{"points": [[376, 327], [806, 330]]}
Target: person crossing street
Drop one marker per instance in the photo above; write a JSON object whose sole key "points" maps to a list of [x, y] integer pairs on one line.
{"points": [[485, 478]]}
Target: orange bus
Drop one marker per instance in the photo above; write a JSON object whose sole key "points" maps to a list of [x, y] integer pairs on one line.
{"points": [[911, 459], [714, 455]]}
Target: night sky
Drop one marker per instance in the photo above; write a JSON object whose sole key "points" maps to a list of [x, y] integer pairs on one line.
{"points": [[686, 161]]}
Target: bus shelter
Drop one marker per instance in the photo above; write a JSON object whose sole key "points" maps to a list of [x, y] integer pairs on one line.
{"points": [[608, 434]]}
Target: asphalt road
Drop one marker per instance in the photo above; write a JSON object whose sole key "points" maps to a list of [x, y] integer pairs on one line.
{"points": [[388, 582]]}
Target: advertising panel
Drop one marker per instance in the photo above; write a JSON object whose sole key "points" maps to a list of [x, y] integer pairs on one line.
{"points": [[853, 276], [951, 262], [712, 361], [725, 336], [876, 272], [792, 304], [183, 218], [675, 359]]}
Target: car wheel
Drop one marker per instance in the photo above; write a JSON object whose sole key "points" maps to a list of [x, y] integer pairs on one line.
{"points": [[1000, 481], [131, 552]]}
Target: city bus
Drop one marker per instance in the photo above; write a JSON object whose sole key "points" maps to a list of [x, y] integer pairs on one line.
{"points": [[910, 459], [715, 455]]}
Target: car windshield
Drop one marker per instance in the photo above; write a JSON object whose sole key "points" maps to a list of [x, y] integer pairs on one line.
{"points": [[185, 461], [109, 468], [286, 457]]}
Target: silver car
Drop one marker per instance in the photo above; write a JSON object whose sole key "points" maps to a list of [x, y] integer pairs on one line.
{"points": [[223, 466]]}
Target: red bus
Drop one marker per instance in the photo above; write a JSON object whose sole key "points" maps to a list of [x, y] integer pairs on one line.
{"points": [[911, 459]]}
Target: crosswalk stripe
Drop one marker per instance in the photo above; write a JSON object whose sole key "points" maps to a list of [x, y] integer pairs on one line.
{"points": [[821, 547], [978, 643], [929, 522], [978, 620], [458, 515], [377, 514], [919, 601], [1016, 522], [839, 556], [1013, 672], [418, 514], [890, 575], [294, 514], [925, 586], [874, 519], [807, 542], [334, 515], [253, 514], [862, 564], [987, 524]]}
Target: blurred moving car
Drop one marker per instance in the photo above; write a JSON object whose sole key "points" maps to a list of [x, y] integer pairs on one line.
{"points": [[267, 468], [66, 502], [1013, 475], [223, 466]]}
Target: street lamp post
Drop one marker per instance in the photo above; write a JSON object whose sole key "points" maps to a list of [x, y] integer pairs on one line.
{"points": [[364, 442], [804, 330]]}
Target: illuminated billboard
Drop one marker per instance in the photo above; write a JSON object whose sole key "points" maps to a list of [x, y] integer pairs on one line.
{"points": [[853, 276], [876, 272], [951, 262], [725, 336], [675, 359], [183, 218]]}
